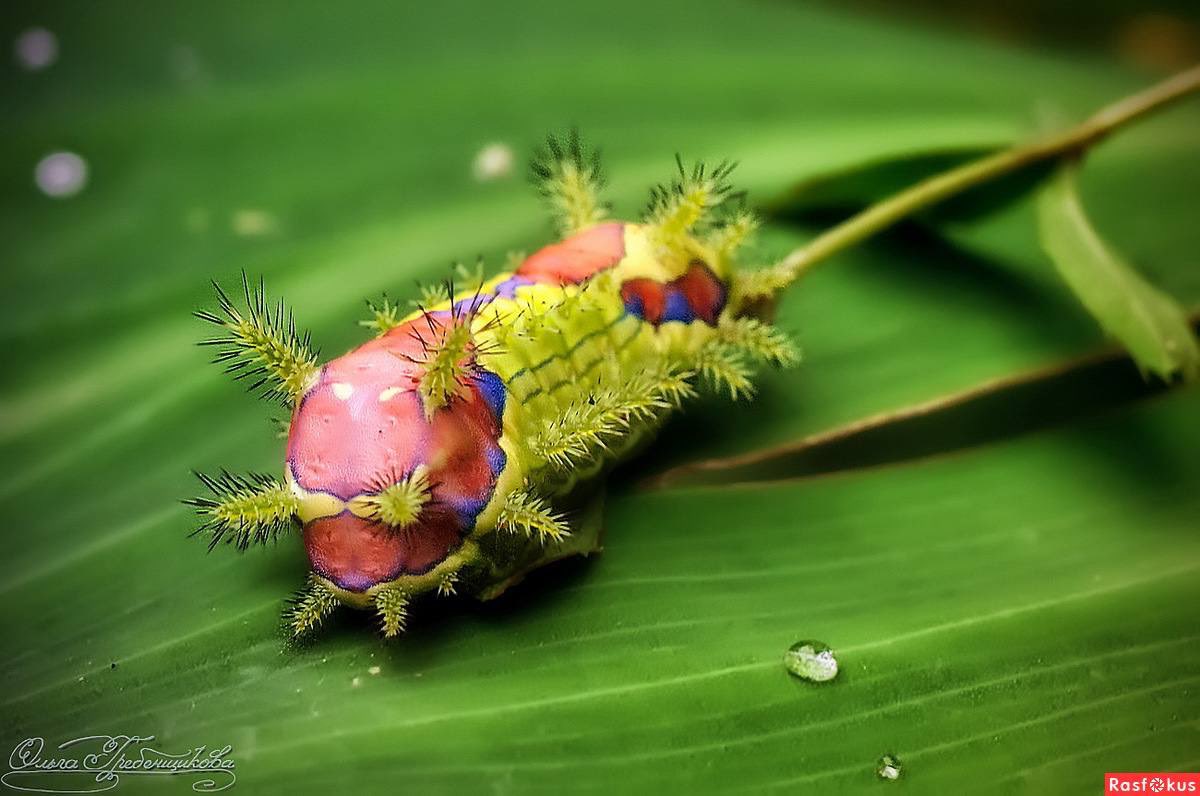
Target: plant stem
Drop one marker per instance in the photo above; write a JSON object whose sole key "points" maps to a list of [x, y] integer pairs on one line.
{"points": [[942, 186]]}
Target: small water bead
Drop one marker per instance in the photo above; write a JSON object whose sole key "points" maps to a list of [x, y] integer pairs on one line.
{"points": [[493, 162], [811, 660], [36, 49], [61, 174], [889, 767]]}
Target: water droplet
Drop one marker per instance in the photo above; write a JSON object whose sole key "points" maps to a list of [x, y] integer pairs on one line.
{"points": [[61, 174], [374, 670], [889, 767], [493, 162], [36, 49], [811, 660]]}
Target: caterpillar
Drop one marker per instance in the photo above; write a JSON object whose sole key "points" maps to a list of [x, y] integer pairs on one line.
{"points": [[468, 441]]}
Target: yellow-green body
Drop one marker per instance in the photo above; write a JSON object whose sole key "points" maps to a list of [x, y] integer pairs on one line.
{"points": [[468, 442], [555, 347]]}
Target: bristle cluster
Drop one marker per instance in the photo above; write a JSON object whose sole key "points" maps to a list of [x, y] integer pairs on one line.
{"points": [[446, 365], [527, 514], [385, 316], [448, 584], [724, 367], [399, 504], [727, 237], [244, 510], [310, 607], [431, 295], [587, 426], [687, 203], [262, 344], [391, 604], [452, 343], [752, 287], [470, 279], [759, 340], [569, 177]]}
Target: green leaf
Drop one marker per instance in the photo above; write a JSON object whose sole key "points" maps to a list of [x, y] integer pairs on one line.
{"points": [[1020, 615], [1022, 611], [1147, 321]]}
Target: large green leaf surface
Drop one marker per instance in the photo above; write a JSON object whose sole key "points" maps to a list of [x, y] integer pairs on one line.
{"points": [[1017, 617], [1020, 614]]}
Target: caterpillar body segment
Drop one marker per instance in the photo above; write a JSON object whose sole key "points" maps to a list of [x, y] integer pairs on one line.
{"points": [[468, 441]]}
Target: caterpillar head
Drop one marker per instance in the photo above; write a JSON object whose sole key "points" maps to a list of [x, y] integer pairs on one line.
{"points": [[392, 454], [393, 451]]}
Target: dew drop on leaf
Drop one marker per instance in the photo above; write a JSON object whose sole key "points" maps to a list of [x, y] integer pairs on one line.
{"points": [[889, 767], [811, 660]]}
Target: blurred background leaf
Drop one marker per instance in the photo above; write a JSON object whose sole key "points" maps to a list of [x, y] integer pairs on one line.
{"points": [[1016, 618], [1149, 323]]}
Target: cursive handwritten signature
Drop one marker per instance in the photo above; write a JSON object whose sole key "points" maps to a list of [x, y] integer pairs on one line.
{"points": [[96, 763]]}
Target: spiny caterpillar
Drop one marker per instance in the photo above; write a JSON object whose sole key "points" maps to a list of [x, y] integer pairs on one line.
{"points": [[467, 443]]}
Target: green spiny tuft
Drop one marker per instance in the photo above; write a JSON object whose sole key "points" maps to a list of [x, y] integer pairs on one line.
{"points": [[432, 295], [759, 340], [724, 367], [392, 606], [262, 344], [730, 235], [759, 285], [445, 368], [400, 503], [385, 316], [586, 426], [528, 514], [448, 583], [569, 177], [244, 510], [514, 259], [310, 607], [675, 387], [471, 278], [688, 202]]}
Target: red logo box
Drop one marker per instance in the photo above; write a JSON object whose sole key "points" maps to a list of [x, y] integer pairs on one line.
{"points": [[1165, 782]]}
